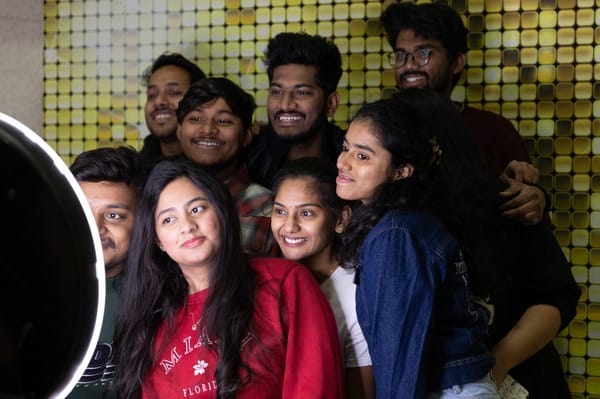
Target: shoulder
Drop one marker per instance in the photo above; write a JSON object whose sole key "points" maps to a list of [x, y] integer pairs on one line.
{"points": [[265, 154], [287, 281], [342, 276], [336, 132], [411, 221], [151, 140], [414, 228], [340, 288], [254, 154], [243, 189], [255, 190], [266, 142], [474, 116], [277, 269], [335, 138], [340, 281], [496, 136], [150, 148], [259, 138], [114, 285]]}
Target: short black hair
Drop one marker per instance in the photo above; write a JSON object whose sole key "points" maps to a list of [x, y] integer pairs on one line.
{"points": [[436, 21], [177, 60], [304, 49], [112, 164], [206, 90]]}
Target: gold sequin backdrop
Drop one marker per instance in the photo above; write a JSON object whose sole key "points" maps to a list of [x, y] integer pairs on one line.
{"points": [[533, 61]]}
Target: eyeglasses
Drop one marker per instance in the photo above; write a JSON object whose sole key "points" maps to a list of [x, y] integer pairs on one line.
{"points": [[420, 57]]}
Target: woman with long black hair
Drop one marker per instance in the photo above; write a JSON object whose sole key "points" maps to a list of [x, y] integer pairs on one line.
{"points": [[432, 253], [200, 319]]}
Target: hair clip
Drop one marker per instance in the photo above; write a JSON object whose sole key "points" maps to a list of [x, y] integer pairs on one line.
{"points": [[436, 152]]}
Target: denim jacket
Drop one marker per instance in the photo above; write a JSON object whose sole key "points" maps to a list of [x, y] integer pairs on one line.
{"points": [[416, 310]]}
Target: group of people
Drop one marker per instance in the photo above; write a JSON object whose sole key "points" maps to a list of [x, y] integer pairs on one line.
{"points": [[408, 257]]}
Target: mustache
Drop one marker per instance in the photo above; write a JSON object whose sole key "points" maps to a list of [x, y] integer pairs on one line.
{"points": [[414, 73], [108, 243]]}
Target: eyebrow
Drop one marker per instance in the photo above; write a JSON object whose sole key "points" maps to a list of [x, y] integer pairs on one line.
{"points": [[418, 47], [361, 146], [200, 108], [299, 205], [188, 203], [296, 86], [169, 84], [118, 206]]}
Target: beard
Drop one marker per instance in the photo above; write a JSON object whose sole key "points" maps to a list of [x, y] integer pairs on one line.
{"points": [[313, 131], [114, 266], [440, 84]]}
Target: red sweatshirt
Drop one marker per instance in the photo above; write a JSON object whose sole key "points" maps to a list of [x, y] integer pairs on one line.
{"points": [[298, 355]]}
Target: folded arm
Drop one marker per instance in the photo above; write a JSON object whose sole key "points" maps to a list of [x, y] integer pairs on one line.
{"points": [[534, 330]]}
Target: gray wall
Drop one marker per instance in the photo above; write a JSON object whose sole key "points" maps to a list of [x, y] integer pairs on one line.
{"points": [[21, 58]]}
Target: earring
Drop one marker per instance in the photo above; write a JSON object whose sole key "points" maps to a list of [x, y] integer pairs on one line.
{"points": [[160, 246], [339, 229]]}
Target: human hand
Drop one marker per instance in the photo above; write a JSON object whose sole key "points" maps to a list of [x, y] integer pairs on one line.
{"points": [[525, 203], [498, 373], [523, 172]]}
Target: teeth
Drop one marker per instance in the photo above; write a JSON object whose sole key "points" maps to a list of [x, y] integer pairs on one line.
{"points": [[290, 240], [414, 78], [162, 116], [289, 118], [207, 143]]}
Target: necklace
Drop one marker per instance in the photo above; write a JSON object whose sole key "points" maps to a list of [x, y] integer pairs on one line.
{"points": [[195, 323]]}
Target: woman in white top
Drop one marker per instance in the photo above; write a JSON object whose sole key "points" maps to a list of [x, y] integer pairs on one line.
{"points": [[306, 222]]}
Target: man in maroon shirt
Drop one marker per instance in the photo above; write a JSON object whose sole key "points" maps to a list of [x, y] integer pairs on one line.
{"points": [[430, 45]]}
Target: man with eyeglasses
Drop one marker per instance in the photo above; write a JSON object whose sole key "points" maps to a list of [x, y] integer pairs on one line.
{"points": [[530, 305], [430, 45]]}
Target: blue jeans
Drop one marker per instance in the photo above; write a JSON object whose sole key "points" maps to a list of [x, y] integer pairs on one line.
{"points": [[485, 388]]}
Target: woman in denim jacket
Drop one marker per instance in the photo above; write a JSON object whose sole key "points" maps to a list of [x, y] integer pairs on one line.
{"points": [[416, 303]]}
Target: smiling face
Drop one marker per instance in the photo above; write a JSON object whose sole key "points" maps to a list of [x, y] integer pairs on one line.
{"points": [[296, 106], [436, 75], [187, 227], [212, 135], [166, 88], [364, 164], [113, 207], [302, 226]]}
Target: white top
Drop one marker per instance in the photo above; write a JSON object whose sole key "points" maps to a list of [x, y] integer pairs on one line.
{"points": [[340, 291]]}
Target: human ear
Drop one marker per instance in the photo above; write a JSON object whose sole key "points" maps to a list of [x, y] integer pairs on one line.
{"points": [[459, 64], [343, 220], [247, 137], [403, 172], [333, 101]]}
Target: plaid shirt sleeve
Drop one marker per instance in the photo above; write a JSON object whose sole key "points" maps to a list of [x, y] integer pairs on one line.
{"points": [[254, 203]]}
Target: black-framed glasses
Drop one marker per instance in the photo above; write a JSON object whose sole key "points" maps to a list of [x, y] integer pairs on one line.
{"points": [[419, 57]]}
